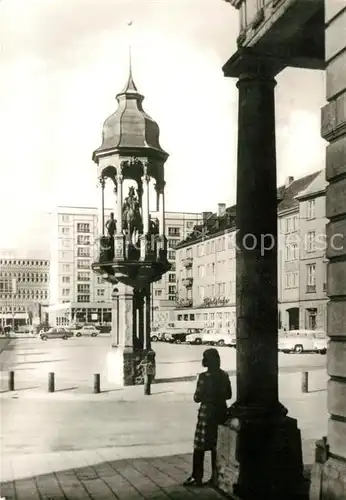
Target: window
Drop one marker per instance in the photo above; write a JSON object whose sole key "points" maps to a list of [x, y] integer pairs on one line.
{"points": [[291, 279], [85, 288], [171, 255], [65, 218], [200, 270], [83, 239], [201, 292], [100, 292], [171, 278], [172, 298], [99, 279], [311, 241], [311, 277], [311, 209], [83, 298], [64, 230], [190, 224], [83, 276], [158, 293], [171, 289], [66, 279], [65, 291], [66, 243], [173, 243], [291, 251], [83, 227], [66, 268], [83, 264], [83, 252], [174, 231]]}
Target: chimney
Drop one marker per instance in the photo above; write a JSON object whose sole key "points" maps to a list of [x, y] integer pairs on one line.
{"points": [[206, 215], [289, 181], [221, 209]]}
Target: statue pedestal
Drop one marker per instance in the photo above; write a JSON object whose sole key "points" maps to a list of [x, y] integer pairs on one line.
{"points": [[127, 367], [260, 459]]}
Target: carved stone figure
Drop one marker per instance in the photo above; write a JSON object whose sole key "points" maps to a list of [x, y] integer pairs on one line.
{"points": [[111, 225]]}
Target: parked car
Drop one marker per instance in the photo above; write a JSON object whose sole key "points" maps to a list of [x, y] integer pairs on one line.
{"points": [[196, 338], [87, 330], [299, 341], [177, 337], [219, 339], [56, 333]]}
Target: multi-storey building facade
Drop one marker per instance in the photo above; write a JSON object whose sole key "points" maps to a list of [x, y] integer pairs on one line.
{"points": [[77, 294], [206, 262], [313, 264], [24, 290]]}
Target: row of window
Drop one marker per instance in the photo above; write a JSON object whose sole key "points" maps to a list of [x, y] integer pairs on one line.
{"points": [[292, 278], [25, 294], [82, 239], [27, 278], [100, 292], [24, 262]]}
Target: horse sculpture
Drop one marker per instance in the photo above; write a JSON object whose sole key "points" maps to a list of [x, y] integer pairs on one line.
{"points": [[132, 220]]}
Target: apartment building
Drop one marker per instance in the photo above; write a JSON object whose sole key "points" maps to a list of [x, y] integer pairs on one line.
{"points": [[24, 290], [206, 262], [313, 263], [76, 293]]}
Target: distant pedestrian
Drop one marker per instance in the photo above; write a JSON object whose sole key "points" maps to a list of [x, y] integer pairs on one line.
{"points": [[212, 391]]}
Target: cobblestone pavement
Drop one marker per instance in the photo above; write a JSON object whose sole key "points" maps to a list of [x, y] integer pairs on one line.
{"points": [[158, 478]]}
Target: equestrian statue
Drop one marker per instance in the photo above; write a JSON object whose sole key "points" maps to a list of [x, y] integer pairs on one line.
{"points": [[132, 219]]}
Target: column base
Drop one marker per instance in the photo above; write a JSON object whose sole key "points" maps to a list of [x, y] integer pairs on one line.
{"points": [[260, 458], [126, 366], [328, 475]]}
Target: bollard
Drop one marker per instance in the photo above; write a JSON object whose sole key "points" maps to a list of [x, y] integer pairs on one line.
{"points": [[51, 382], [147, 384], [97, 389], [11, 381], [305, 382]]}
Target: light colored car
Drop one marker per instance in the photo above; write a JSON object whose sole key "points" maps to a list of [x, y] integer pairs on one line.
{"points": [[299, 341], [87, 330], [219, 338], [56, 333]]}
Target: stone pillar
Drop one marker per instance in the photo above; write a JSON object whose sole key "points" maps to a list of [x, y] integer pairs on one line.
{"points": [[259, 449], [147, 319], [328, 479], [162, 211], [121, 362], [102, 207], [119, 240], [145, 203]]}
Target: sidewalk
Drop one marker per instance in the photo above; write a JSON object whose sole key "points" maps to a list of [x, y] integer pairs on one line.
{"points": [[100, 476]]}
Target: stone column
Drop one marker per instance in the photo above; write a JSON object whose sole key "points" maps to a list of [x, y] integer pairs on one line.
{"points": [[121, 362], [147, 319], [119, 204], [329, 471], [102, 208], [161, 193], [145, 203], [259, 450], [119, 239]]}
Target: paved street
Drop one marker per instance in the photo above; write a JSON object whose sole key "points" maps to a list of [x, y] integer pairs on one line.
{"points": [[74, 361]]}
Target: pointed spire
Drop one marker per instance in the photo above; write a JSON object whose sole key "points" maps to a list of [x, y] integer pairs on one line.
{"points": [[130, 87]]}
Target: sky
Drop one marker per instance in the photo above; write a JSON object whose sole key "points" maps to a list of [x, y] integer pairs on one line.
{"points": [[62, 63]]}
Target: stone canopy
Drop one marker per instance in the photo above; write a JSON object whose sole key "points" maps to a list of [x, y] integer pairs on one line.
{"points": [[129, 127]]}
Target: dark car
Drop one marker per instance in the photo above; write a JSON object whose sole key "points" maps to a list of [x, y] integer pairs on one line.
{"points": [[177, 338], [56, 333]]}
